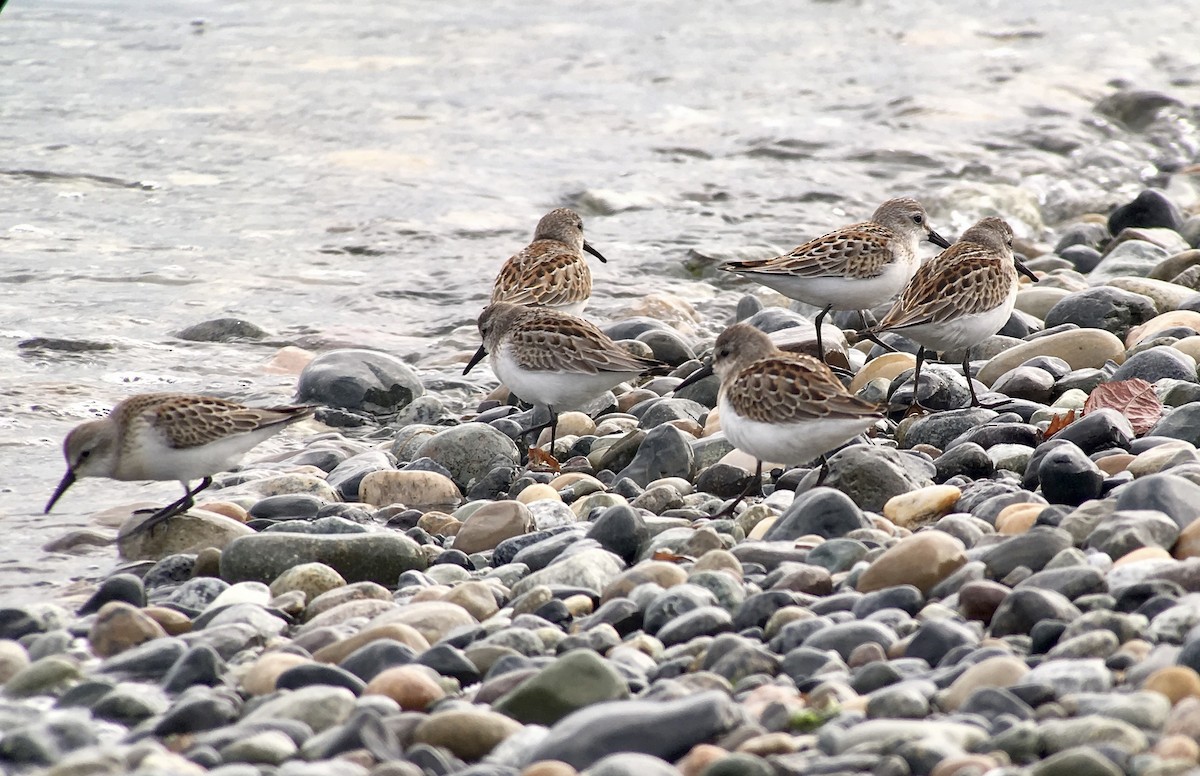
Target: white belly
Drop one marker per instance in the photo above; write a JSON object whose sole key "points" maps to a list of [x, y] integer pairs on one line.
{"points": [[150, 459], [560, 390], [842, 292], [789, 443], [964, 332]]}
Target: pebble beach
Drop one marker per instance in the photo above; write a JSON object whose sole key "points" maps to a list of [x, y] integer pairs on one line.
{"points": [[393, 588]]}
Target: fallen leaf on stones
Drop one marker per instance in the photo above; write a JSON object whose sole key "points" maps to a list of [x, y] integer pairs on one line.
{"points": [[1135, 399]]}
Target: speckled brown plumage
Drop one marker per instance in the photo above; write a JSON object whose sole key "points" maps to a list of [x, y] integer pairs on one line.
{"points": [[551, 341], [187, 420], [974, 275], [787, 388]]}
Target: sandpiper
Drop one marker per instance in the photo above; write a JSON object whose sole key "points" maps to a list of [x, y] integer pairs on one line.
{"points": [[779, 406], [553, 359], [552, 270], [852, 268], [169, 436], [960, 298]]}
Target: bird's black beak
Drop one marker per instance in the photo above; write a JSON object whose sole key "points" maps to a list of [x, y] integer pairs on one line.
{"points": [[938, 240], [587, 246], [1026, 271], [475, 359], [694, 377], [67, 481]]}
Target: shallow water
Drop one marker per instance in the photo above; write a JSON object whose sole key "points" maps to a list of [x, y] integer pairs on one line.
{"points": [[355, 173]]}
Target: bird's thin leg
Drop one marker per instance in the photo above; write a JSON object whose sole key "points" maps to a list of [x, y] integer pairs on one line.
{"points": [[967, 373], [866, 332], [818, 320], [553, 429], [172, 509], [917, 408], [823, 472], [751, 482]]}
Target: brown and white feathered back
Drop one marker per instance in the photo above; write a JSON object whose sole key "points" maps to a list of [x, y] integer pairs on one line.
{"points": [[546, 340], [765, 384], [552, 269], [972, 276], [857, 251]]}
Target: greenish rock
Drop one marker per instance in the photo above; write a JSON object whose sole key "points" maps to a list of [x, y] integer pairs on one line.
{"points": [[1059, 735], [728, 592], [128, 704], [470, 451], [373, 557], [592, 568], [738, 764], [1077, 761], [43, 677], [577, 679]]}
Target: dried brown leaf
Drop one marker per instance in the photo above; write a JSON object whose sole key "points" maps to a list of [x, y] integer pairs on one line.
{"points": [[1061, 421], [1135, 399]]}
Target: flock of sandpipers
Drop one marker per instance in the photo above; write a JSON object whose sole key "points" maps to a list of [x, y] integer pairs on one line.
{"points": [[775, 405]]}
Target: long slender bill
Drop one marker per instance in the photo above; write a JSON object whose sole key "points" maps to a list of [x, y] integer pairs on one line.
{"points": [[1026, 271], [475, 359], [694, 377], [67, 481], [588, 247], [938, 240]]}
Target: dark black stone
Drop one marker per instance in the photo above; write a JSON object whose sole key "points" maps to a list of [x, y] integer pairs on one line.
{"points": [[1177, 497], [120, 587], [1070, 581], [992, 702], [1022, 609], [1083, 257], [935, 638], [1150, 209], [703, 621], [1180, 423], [361, 381], [287, 505], [197, 712], [449, 661], [375, 656], [904, 597], [822, 511], [1068, 476], [966, 460], [997, 433], [171, 570], [722, 480], [200, 665], [494, 484], [665, 452], [1032, 549], [349, 474], [1156, 363], [621, 530], [308, 674], [939, 429], [222, 330], [539, 556], [1102, 307], [942, 388], [1099, 430], [1026, 382], [675, 602]]}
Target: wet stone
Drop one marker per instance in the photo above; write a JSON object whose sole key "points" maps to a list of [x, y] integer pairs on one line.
{"points": [[871, 475], [1102, 307], [364, 381], [822, 511]]}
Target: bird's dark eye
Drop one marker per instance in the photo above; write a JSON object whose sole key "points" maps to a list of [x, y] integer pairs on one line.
{"points": [[918, 219]]}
